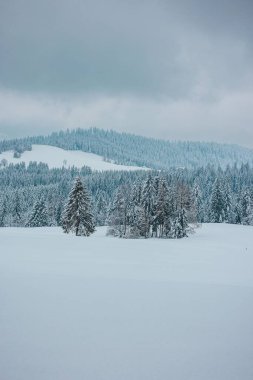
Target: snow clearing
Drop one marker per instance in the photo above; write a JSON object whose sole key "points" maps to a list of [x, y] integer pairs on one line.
{"points": [[102, 308], [56, 158]]}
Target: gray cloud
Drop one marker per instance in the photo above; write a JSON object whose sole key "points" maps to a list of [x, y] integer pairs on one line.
{"points": [[173, 69], [82, 46], [228, 120]]}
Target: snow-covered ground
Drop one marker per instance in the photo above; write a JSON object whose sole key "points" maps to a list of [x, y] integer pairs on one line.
{"points": [[57, 157], [101, 308]]}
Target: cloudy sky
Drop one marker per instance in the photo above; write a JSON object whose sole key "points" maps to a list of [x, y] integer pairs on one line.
{"points": [[180, 69]]}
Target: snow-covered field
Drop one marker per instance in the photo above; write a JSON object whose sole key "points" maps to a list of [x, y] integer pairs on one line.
{"points": [[101, 308], [57, 157]]}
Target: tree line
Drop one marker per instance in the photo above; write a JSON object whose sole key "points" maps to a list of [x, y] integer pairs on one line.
{"points": [[206, 195]]}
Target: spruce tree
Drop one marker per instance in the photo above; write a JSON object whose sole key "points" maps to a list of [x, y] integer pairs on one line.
{"points": [[162, 209], [134, 211], [17, 210], [227, 203], [39, 215], [197, 205], [3, 212], [119, 212], [147, 202], [246, 207], [217, 206], [144, 225], [180, 225], [101, 209], [77, 216], [237, 211]]}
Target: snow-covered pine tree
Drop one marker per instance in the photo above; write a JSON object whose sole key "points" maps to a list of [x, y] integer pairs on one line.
{"points": [[51, 209], [143, 222], [3, 212], [227, 202], [134, 211], [236, 210], [197, 213], [246, 208], [77, 216], [101, 208], [180, 225], [162, 209], [17, 210], [58, 213], [147, 203], [119, 213], [155, 223], [217, 204], [39, 215]]}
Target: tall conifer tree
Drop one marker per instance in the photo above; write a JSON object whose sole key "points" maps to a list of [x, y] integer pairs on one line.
{"points": [[217, 206], [39, 215], [77, 216]]}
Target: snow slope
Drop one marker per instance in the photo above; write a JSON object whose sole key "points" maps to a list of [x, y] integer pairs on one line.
{"points": [[57, 157], [101, 308]]}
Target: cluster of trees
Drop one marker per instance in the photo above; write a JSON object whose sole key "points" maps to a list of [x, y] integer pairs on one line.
{"points": [[124, 148], [226, 208], [157, 208], [206, 194], [151, 209]]}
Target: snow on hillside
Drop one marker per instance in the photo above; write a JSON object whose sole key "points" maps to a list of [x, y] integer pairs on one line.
{"points": [[57, 157], [102, 308]]}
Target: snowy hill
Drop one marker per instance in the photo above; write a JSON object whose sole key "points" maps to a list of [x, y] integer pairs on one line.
{"points": [[105, 308], [57, 157], [127, 149]]}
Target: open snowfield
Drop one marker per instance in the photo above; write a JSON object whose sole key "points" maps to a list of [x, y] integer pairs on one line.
{"points": [[101, 308], [57, 157]]}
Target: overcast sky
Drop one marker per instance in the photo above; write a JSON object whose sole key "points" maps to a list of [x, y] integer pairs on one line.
{"points": [[180, 69]]}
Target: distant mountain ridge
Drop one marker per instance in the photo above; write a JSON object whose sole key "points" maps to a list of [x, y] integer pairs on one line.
{"points": [[130, 149]]}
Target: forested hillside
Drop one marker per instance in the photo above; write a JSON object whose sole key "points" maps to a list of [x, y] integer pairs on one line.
{"points": [[128, 149]]}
